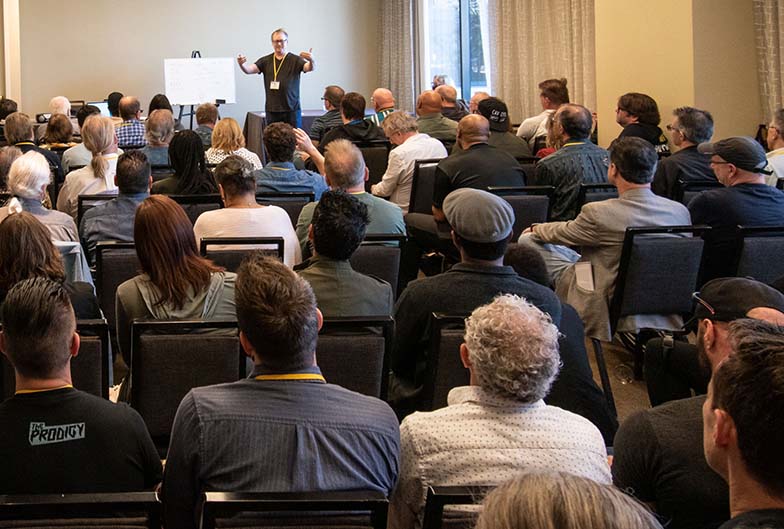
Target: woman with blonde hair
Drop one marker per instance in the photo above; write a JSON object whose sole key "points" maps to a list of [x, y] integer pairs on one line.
{"points": [[227, 139], [557, 500], [100, 139]]}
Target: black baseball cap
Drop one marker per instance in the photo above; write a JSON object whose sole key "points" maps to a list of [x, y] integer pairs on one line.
{"points": [[743, 152], [731, 298], [496, 113]]}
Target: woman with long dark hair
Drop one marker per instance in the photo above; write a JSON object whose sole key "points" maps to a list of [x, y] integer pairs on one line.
{"points": [[191, 176]]}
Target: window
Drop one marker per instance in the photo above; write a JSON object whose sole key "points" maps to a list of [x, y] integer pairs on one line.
{"points": [[453, 40]]}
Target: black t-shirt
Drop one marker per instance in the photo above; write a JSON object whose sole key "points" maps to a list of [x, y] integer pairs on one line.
{"points": [[650, 133], [479, 167], [658, 458], [688, 165], [67, 441], [286, 97], [761, 519]]}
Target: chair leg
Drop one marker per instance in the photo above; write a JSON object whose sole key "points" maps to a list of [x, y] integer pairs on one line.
{"points": [[603, 376]]}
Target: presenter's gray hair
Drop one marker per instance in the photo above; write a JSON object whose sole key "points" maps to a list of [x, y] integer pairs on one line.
{"points": [[279, 30]]}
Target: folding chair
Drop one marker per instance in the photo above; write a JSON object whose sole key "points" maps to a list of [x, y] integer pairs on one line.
{"points": [[229, 252], [195, 205], [761, 254], [291, 202], [423, 186], [87, 202], [531, 205], [378, 259], [440, 497], [376, 155], [595, 193]]}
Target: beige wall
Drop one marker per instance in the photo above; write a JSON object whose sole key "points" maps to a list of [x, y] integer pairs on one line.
{"points": [[725, 65], [101, 55]]}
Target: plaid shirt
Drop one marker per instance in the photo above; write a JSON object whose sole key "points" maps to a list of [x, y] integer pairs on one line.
{"points": [[131, 133]]}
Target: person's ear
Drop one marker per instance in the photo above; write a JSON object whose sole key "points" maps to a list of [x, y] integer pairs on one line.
{"points": [[709, 335], [320, 318], [464, 357], [247, 347], [310, 232], [724, 433], [367, 174], [2, 344], [76, 340], [115, 180]]}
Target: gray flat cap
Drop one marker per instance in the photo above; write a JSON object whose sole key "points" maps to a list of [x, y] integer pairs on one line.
{"points": [[479, 216]]}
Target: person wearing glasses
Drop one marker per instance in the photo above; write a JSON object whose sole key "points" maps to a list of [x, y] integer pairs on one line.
{"points": [[281, 71], [332, 97], [739, 164], [689, 127], [658, 452], [775, 141]]}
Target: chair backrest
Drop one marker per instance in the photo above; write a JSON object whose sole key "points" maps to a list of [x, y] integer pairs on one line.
{"points": [[423, 185], [686, 191], [443, 370], [531, 205], [595, 193], [87, 202], [780, 184], [229, 252], [658, 271], [91, 367], [292, 203], [380, 260], [115, 263], [761, 254], [105, 510], [440, 497], [169, 358], [161, 172], [195, 205], [312, 509], [354, 353], [376, 155], [540, 142]]}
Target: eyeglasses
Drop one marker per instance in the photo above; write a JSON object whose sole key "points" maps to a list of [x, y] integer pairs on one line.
{"points": [[673, 129], [279, 41], [696, 297], [323, 98], [712, 162]]}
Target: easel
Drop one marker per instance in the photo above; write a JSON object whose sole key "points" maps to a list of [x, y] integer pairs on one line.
{"points": [[194, 55]]}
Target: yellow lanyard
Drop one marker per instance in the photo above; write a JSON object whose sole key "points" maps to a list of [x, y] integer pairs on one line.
{"points": [[25, 391], [573, 143], [292, 376], [276, 67]]}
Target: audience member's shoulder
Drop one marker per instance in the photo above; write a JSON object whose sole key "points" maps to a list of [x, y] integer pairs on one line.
{"points": [[385, 204]]}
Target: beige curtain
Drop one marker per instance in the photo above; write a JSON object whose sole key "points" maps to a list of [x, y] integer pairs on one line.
{"points": [[533, 40], [768, 24], [396, 50]]}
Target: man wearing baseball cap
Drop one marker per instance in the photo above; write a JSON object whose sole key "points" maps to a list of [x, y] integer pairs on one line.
{"points": [[497, 114], [658, 452], [739, 164]]}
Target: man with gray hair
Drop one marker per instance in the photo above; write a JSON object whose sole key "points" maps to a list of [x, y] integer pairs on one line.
{"points": [[689, 127], [775, 141], [498, 426], [345, 170]]}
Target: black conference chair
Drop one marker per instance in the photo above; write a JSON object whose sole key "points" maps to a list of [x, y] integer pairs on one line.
{"points": [[86, 202], [443, 369], [231, 251], [120, 510], [658, 273], [379, 255], [161, 172], [376, 155], [531, 205], [354, 353], [686, 191], [354, 509], [169, 358], [438, 498], [595, 193], [761, 253], [291, 202], [423, 186], [115, 263], [195, 205]]}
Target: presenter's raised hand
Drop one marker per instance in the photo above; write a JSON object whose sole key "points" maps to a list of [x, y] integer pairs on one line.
{"points": [[307, 55], [241, 59]]}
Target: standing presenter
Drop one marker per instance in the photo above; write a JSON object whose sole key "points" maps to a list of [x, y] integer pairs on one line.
{"points": [[281, 79]]}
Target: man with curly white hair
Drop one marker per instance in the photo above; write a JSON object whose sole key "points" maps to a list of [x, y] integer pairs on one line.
{"points": [[499, 425]]}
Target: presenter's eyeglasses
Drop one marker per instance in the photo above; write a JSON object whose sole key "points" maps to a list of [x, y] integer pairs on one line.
{"points": [[279, 41]]}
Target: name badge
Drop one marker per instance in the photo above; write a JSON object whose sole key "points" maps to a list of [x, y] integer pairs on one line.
{"points": [[274, 85]]}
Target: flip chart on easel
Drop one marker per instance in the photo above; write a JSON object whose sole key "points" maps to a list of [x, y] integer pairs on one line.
{"points": [[197, 81]]}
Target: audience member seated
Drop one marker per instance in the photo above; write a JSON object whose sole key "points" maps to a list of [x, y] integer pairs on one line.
{"points": [[739, 164], [113, 102], [441, 80], [19, 132], [499, 425], [354, 127], [549, 500], [690, 127], [332, 97], [553, 94], [57, 105], [161, 102], [59, 134], [26, 251], [449, 108], [191, 176], [98, 177], [337, 229], [553, 140], [481, 225], [241, 216], [383, 104], [206, 118], [431, 121], [27, 181], [227, 139], [176, 282], [7, 156], [280, 175], [658, 452], [158, 131], [113, 221], [57, 439], [639, 116], [411, 145], [345, 170], [578, 161], [599, 230], [743, 428], [130, 132], [79, 154], [497, 114], [775, 141], [248, 435], [7, 107], [473, 104]]}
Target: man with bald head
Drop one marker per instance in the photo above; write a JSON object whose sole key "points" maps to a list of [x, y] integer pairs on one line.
{"points": [[578, 162], [449, 106], [478, 97], [383, 103], [430, 121], [130, 132]]}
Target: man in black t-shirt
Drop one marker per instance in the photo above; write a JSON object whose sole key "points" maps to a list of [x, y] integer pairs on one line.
{"points": [[57, 439], [639, 116], [281, 79]]}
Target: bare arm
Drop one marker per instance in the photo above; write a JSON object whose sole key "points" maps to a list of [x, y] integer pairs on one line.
{"points": [[245, 66], [306, 145]]}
